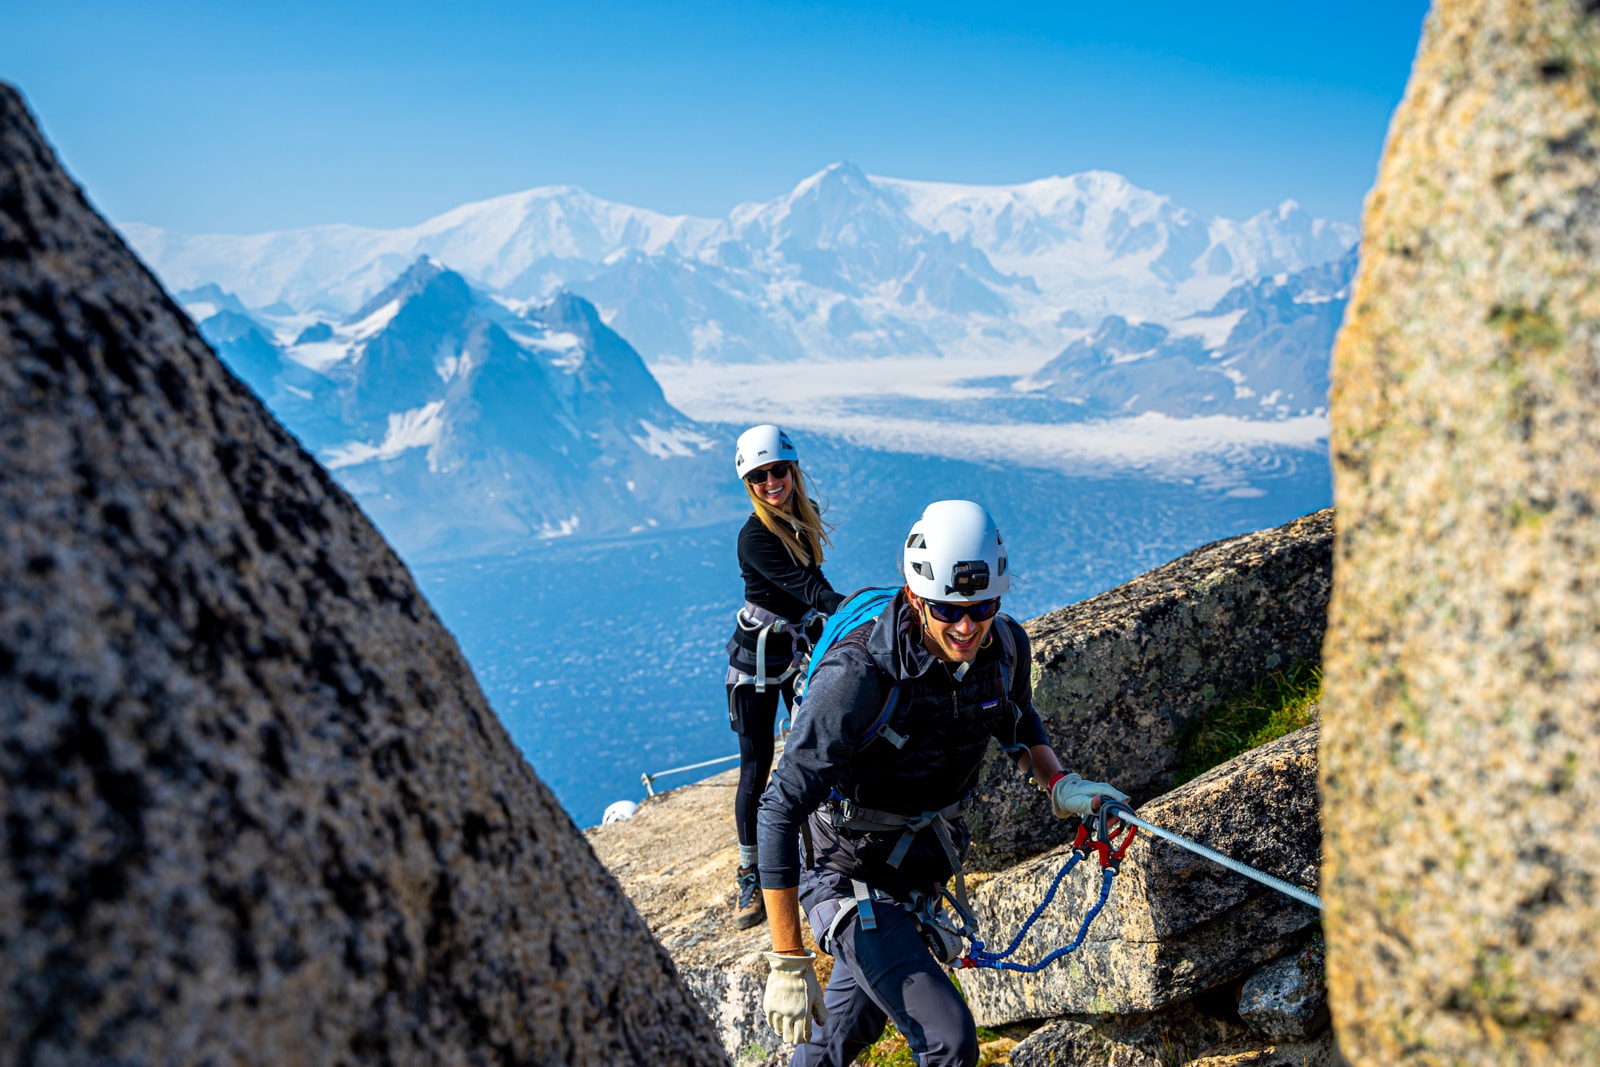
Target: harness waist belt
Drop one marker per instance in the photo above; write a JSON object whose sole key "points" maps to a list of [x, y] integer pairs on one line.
{"points": [[869, 820], [753, 618]]}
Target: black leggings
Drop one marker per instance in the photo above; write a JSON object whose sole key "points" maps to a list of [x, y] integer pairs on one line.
{"points": [[753, 716]]}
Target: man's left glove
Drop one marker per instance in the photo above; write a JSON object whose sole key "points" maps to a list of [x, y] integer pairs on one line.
{"points": [[793, 997], [1072, 795]]}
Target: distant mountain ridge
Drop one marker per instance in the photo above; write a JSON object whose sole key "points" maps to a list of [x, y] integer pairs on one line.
{"points": [[1261, 352], [465, 425], [843, 266]]}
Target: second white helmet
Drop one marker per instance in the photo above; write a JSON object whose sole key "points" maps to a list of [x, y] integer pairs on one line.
{"points": [[954, 553], [760, 445]]}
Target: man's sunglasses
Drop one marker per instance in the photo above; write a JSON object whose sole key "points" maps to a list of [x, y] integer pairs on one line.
{"points": [[981, 610], [777, 470]]}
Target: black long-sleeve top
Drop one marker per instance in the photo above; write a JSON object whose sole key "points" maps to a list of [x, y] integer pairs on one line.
{"points": [[774, 580]]}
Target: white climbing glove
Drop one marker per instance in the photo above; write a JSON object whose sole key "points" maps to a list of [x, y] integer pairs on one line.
{"points": [[793, 996], [1072, 795]]}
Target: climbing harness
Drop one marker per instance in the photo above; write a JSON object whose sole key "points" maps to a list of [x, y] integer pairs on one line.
{"points": [[844, 814], [1109, 846], [755, 619], [1294, 892]]}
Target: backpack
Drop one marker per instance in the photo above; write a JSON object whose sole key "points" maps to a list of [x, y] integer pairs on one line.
{"points": [[859, 608]]}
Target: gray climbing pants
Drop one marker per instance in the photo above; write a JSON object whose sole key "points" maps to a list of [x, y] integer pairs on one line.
{"points": [[888, 974]]}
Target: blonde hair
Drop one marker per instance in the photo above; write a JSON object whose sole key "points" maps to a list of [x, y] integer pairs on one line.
{"points": [[803, 517]]}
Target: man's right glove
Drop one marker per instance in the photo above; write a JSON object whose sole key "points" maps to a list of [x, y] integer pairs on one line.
{"points": [[793, 996], [1072, 795]]}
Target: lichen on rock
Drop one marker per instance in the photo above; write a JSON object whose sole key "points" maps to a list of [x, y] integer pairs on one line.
{"points": [[1175, 924], [1461, 746], [1120, 676]]}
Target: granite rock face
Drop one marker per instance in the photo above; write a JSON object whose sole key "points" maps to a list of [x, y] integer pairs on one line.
{"points": [[1117, 677], [1171, 1037], [255, 807], [1175, 924], [1284, 1000], [1461, 753], [676, 858], [1319, 1051]]}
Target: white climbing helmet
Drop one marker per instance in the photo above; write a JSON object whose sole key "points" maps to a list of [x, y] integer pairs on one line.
{"points": [[954, 553], [617, 811], [760, 445]]}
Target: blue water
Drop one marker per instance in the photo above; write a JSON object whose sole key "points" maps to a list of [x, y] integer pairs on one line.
{"points": [[605, 659]]}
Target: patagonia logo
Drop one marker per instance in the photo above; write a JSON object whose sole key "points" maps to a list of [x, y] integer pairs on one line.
{"points": [[991, 704]]}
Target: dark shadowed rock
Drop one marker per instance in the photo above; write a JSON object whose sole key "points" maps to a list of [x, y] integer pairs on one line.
{"points": [[1319, 1051], [1284, 1000], [1176, 924], [255, 807], [1171, 1037], [1118, 677]]}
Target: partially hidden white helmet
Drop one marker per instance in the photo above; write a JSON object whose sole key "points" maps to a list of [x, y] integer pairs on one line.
{"points": [[954, 553], [760, 445], [617, 811]]}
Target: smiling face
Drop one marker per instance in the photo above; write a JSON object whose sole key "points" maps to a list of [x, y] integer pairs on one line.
{"points": [[772, 490], [953, 642]]}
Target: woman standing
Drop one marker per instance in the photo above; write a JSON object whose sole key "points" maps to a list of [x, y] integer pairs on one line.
{"points": [[785, 597]]}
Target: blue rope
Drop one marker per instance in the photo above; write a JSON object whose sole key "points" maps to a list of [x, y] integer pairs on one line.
{"points": [[1027, 924], [997, 961]]}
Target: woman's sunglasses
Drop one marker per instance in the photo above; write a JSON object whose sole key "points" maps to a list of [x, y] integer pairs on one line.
{"points": [[779, 471], [981, 611]]}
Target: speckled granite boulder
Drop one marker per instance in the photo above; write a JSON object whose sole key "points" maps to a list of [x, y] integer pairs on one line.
{"points": [[1319, 1051], [255, 808], [1461, 755], [1118, 677], [1176, 924], [1171, 1037], [1284, 1000]]}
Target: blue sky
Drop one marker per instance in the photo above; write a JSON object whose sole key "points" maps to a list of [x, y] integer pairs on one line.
{"points": [[245, 117]]}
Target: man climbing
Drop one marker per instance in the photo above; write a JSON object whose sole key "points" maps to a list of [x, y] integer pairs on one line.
{"points": [[895, 722]]}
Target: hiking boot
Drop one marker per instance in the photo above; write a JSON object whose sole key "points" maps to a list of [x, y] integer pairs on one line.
{"points": [[751, 908]]}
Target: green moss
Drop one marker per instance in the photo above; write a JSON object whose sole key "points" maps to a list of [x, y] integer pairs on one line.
{"points": [[891, 1050], [1277, 705], [1527, 329]]}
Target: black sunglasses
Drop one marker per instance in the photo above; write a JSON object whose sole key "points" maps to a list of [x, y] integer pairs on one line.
{"points": [[777, 470], [980, 610]]}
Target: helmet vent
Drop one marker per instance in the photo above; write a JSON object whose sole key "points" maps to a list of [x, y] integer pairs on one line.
{"points": [[916, 540], [924, 569]]}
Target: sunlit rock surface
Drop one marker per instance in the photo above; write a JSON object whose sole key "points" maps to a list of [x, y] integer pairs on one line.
{"points": [[676, 858], [1175, 924], [1117, 677], [1461, 753]]}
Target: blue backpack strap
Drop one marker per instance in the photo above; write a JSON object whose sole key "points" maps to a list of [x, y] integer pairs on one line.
{"points": [[862, 606]]}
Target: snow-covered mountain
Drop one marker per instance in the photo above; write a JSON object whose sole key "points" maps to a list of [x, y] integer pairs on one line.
{"points": [[1095, 244], [464, 424], [844, 266], [1261, 352]]}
